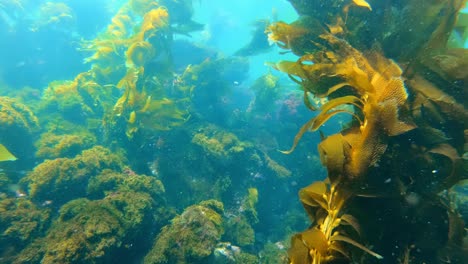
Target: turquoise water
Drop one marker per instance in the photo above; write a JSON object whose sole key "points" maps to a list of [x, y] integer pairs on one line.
{"points": [[154, 132]]}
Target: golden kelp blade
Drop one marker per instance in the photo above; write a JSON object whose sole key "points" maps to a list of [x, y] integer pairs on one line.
{"points": [[5, 154]]}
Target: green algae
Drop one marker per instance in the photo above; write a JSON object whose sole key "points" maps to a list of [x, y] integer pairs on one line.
{"points": [[191, 237]]}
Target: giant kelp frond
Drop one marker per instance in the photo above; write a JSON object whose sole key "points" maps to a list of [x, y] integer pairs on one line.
{"points": [[153, 21], [328, 110], [408, 138], [283, 33], [373, 86], [139, 53], [325, 242], [377, 87]]}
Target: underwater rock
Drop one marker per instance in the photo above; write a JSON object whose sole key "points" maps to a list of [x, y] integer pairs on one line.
{"points": [[17, 126], [21, 221], [226, 253], [267, 92], [239, 225], [191, 237], [239, 231], [96, 231], [16, 118], [52, 146], [220, 143], [52, 179], [111, 181], [113, 227]]}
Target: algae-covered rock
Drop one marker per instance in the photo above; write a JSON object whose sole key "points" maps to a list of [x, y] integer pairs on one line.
{"points": [[116, 184], [267, 91], [219, 142], [16, 117], [17, 124], [51, 146], [93, 231], [226, 253], [274, 253], [239, 231], [191, 237], [21, 221], [112, 228], [85, 231], [239, 226], [63, 179], [63, 97], [110, 180]]}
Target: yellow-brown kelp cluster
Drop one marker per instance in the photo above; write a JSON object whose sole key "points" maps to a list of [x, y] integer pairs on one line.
{"points": [[138, 34], [387, 65]]}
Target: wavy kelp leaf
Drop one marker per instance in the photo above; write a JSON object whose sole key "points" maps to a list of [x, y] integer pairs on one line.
{"points": [[333, 151], [340, 249], [139, 53], [349, 99], [451, 153], [368, 143], [356, 244], [298, 136], [320, 216], [433, 136], [298, 253], [448, 105], [313, 124], [289, 67], [5, 154], [335, 88], [384, 66], [284, 34], [315, 239], [147, 104], [393, 89], [323, 117], [352, 221], [450, 64], [390, 119], [313, 195], [316, 122], [425, 111]]}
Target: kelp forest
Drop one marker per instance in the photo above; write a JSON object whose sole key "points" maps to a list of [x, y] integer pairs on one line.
{"points": [[155, 148]]}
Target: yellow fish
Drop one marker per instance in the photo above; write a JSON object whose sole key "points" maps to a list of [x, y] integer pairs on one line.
{"points": [[6, 155]]}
